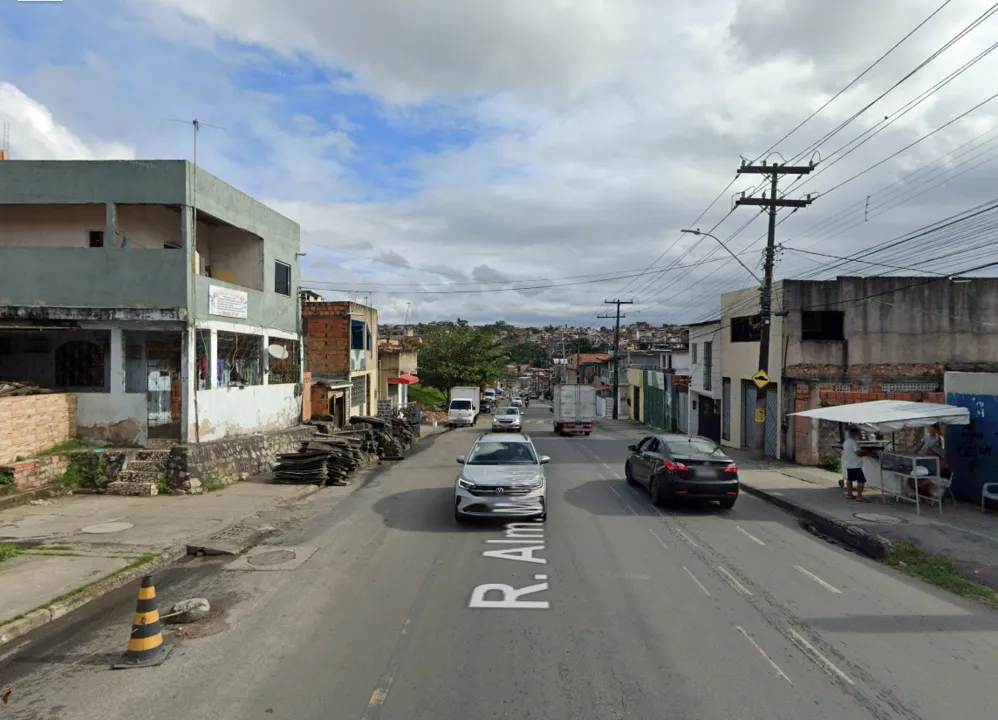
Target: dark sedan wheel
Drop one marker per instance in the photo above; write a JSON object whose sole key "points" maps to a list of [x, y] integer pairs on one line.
{"points": [[627, 473], [655, 488]]}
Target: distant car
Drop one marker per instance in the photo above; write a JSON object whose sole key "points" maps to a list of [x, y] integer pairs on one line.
{"points": [[502, 476], [516, 401], [507, 419], [679, 466]]}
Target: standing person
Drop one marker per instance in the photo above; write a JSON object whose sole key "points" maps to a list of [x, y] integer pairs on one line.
{"points": [[852, 462]]}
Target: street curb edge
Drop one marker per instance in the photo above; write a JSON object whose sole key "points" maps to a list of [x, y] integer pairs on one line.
{"points": [[870, 545]]}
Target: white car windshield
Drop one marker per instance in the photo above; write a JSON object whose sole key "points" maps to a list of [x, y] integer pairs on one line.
{"points": [[510, 411], [502, 453]]}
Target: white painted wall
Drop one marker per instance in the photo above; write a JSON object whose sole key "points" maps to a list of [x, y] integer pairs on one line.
{"points": [[230, 412], [699, 336], [96, 408]]}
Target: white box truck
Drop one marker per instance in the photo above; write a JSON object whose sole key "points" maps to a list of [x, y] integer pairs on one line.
{"points": [[574, 409], [465, 404]]}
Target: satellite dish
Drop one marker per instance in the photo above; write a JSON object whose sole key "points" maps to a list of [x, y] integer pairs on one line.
{"points": [[278, 351]]}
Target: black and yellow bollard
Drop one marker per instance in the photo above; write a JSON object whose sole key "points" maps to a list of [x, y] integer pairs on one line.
{"points": [[145, 647]]}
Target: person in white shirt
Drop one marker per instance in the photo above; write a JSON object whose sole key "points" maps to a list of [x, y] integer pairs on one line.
{"points": [[852, 462]]}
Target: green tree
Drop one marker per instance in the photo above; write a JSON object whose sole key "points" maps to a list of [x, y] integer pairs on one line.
{"points": [[458, 355], [529, 354]]}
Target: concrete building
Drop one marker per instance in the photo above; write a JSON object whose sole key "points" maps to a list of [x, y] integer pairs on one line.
{"points": [[161, 325], [851, 339], [398, 365], [341, 353], [705, 380]]}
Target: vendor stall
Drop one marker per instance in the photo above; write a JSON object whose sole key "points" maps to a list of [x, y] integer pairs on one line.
{"points": [[895, 473]]}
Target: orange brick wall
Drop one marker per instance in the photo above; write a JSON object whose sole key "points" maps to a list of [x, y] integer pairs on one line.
{"points": [[328, 343], [30, 474], [35, 423]]}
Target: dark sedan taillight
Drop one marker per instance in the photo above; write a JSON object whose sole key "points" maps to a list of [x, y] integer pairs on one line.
{"points": [[673, 467], [732, 468]]}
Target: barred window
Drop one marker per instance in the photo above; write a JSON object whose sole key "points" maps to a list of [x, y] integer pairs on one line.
{"points": [[80, 364], [286, 370], [240, 359]]}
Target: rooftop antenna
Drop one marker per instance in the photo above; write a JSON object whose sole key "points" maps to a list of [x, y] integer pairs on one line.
{"points": [[196, 124]]}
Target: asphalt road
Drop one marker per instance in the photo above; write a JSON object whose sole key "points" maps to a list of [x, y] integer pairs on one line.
{"points": [[628, 612]]}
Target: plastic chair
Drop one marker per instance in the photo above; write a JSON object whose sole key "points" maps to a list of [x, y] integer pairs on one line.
{"points": [[989, 491]]}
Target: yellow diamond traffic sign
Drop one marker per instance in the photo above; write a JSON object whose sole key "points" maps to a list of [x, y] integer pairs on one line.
{"points": [[761, 379]]}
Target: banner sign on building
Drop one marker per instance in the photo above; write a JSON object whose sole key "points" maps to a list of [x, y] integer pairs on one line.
{"points": [[227, 303]]}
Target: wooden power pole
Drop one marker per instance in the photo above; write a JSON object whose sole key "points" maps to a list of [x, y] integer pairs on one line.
{"points": [[772, 203], [616, 352]]}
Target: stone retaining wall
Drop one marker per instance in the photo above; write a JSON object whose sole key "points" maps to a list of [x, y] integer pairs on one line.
{"points": [[223, 462]]}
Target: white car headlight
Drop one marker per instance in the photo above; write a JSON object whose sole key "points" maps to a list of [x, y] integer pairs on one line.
{"points": [[465, 484]]}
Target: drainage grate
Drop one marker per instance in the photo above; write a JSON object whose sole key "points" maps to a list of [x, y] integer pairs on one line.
{"points": [[878, 518], [233, 532], [274, 557]]}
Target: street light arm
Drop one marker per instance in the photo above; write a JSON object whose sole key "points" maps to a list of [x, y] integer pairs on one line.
{"points": [[721, 243]]}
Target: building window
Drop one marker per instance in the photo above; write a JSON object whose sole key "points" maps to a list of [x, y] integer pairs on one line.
{"points": [[746, 329], [370, 340], [79, 364], [239, 360], [358, 391], [693, 353], [96, 238], [282, 278], [822, 325], [357, 333], [708, 364], [286, 370]]}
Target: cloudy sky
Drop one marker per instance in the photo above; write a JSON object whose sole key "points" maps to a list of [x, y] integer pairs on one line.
{"points": [[524, 160]]}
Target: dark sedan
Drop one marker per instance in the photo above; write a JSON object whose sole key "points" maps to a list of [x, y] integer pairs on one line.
{"points": [[679, 466]]}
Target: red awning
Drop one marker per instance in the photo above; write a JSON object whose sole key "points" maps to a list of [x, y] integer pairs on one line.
{"points": [[403, 379]]}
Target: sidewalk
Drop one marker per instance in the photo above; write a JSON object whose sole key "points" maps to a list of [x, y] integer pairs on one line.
{"points": [[75, 548], [962, 533]]}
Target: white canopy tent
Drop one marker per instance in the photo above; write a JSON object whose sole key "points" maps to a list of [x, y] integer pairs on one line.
{"points": [[891, 415]]}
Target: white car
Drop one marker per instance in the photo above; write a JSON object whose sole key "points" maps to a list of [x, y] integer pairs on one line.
{"points": [[502, 476], [507, 419], [517, 401]]}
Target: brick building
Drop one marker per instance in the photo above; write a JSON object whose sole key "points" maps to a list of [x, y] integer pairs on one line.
{"points": [[341, 354], [850, 340]]}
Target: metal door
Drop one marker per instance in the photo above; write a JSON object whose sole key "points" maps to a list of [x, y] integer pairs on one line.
{"points": [[748, 413], [708, 418], [683, 412], [726, 400], [772, 420]]}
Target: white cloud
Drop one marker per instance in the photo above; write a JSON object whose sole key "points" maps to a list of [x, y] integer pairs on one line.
{"points": [[586, 134], [35, 134]]}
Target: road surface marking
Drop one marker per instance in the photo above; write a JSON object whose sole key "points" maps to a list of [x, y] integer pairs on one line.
{"points": [[749, 535], [630, 508], [634, 492], [614, 491], [819, 580], [816, 654], [661, 542], [607, 467], [509, 596], [686, 537], [600, 475], [762, 652], [699, 584], [734, 582]]}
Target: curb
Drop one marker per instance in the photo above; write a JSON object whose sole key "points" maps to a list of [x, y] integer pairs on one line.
{"points": [[26, 496], [870, 545], [44, 615]]}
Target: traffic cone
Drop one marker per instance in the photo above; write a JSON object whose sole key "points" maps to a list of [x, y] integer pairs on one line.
{"points": [[145, 647]]}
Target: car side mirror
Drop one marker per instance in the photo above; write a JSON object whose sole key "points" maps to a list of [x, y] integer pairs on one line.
{"points": [[461, 459], [545, 459], [632, 448]]}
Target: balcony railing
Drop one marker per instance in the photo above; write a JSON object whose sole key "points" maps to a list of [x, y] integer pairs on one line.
{"points": [[358, 360]]}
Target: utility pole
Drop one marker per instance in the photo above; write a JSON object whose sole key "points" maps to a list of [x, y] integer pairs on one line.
{"points": [[772, 203], [616, 352]]}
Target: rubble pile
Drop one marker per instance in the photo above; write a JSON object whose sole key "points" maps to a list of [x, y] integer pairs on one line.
{"points": [[391, 437], [21, 389], [333, 454]]}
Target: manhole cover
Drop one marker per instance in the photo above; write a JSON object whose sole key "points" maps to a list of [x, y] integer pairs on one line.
{"points": [[109, 527], [878, 518], [274, 557]]}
